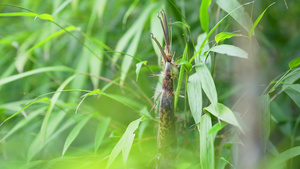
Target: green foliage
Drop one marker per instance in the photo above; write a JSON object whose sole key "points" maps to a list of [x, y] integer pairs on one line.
{"points": [[77, 80]]}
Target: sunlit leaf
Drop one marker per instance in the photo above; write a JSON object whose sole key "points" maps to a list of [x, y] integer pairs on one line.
{"points": [[224, 35], [217, 127], [46, 17], [258, 19], [230, 50], [294, 63], [203, 15], [138, 68]]}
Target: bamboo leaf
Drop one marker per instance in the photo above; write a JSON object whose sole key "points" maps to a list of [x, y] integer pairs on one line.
{"points": [[36, 71], [224, 113], [51, 106], [293, 91], [203, 15], [188, 67], [239, 14], [101, 130], [126, 140], [217, 127], [258, 19], [22, 123], [294, 63], [94, 92], [74, 133], [285, 156], [34, 102], [224, 35], [206, 143], [230, 50], [207, 83], [138, 68], [194, 92], [46, 17], [201, 57]]}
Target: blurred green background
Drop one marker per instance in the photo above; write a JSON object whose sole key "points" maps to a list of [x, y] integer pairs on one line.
{"points": [[104, 42]]}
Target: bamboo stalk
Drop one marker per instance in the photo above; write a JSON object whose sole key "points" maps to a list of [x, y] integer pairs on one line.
{"points": [[167, 141]]}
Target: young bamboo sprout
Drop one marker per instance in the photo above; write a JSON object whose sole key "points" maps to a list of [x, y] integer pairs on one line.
{"points": [[167, 140]]}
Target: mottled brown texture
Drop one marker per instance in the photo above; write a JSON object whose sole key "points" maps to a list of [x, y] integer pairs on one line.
{"points": [[167, 141], [167, 131]]}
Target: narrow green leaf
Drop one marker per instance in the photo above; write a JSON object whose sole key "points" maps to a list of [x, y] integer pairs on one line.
{"points": [[202, 58], [217, 127], [207, 83], [46, 17], [127, 60], [127, 147], [294, 63], [206, 143], [294, 92], [52, 104], [34, 102], [258, 19], [94, 92], [203, 15], [194, 92], [36, 71], [126, 140], [239, 14], [22, 123], [285, 156], [138, 68], [230, 50], [30, 14], [101, 130], [132, 32], [188, 67], [22, 58], [293, 76], [224, 113], [74, 133], [38, 143], [224, 35]]}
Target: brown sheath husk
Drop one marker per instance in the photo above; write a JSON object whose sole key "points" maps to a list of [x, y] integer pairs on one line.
{"points": [[167, 141]]}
